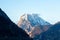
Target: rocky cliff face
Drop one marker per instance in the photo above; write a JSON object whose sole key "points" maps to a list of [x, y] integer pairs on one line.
{"points": [[33, 24], [9, 30]]}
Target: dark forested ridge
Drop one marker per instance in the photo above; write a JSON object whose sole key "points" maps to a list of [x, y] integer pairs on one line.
{"points": [[51, 34], [9, 30]]}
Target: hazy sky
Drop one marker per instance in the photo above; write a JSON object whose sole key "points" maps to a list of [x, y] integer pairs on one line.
{"points": [[49, 10]]}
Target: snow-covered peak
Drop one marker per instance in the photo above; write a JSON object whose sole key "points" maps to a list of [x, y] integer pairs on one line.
{"points": [[24, 17], [33, 24], [34, 19]]}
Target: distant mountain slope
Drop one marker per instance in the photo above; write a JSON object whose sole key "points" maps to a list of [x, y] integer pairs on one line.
{"points": [[34, 19], [9, 30], [29, 22], [51, 34]]}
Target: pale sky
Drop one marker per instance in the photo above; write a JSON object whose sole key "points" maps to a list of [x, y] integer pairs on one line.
{"points": [[49, 10]]}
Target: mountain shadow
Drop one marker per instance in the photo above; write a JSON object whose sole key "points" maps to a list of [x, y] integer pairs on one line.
{"points": [[51, 34], [9, 30]]}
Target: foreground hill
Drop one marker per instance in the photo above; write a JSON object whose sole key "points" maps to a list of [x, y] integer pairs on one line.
{"points": [[9, 30]]}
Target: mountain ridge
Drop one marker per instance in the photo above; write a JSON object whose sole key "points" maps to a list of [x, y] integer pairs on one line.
{"points": [[29, 22], [53, 33], [9, 30]]}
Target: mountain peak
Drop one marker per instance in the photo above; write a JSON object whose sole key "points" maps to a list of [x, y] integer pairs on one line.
{"points": [[25, 16], [29, 22], [58, 22], [34, 19]]}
